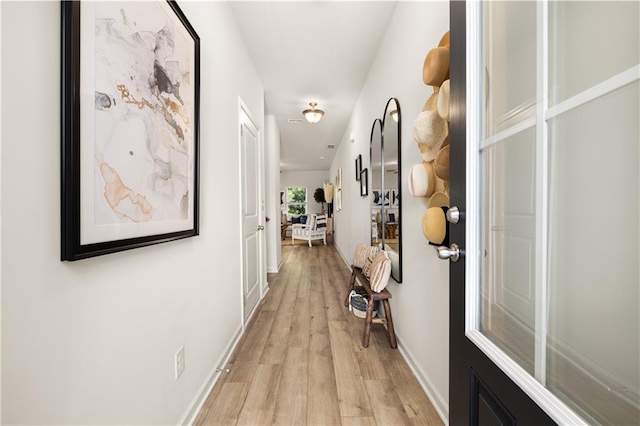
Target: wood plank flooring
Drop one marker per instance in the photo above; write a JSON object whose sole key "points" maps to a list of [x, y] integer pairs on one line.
{"points": [[300, 361]]}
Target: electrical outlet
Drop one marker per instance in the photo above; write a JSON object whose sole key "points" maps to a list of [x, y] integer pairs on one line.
{"points": [[179, 362]]}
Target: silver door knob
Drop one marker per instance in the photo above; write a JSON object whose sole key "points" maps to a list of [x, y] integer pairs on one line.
{"points": [[452, 253], [453, 215], [260, 228]]}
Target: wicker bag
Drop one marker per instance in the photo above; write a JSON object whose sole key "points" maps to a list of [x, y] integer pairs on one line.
{"points": [[358, 301]]}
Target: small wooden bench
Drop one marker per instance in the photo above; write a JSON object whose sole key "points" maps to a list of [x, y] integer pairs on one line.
{"points": [[384, 297]]}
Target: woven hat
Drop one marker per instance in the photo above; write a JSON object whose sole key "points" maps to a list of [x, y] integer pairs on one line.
{"points": [[435, 69], [442, 162], [445, 40], [439, 199], [443, 100], [435, 225], [429, 129], [422, 180]]}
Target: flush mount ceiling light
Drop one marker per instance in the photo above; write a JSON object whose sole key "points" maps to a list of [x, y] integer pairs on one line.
{"points": [[313, 115], [394, 115]]}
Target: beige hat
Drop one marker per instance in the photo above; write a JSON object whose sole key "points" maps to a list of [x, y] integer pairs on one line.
{"points": [[422, 180], [443, 100], [439, 199], [441, 163], [445, 40], [434, 225], [429, 129], [432, 101], [435, 69]]}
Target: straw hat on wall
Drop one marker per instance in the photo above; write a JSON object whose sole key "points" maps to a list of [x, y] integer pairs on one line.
{"points": [[435, 69], [429, 129], [422, 180], [443, 100], [435, 226], [442, 162]]}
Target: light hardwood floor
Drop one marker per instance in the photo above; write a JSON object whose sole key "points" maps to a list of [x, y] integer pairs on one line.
{"points": [[301, 361]]}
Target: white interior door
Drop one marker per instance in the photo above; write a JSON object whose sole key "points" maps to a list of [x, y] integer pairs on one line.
{"points": [[252, 226]]}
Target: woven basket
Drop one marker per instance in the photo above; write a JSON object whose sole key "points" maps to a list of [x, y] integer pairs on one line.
{"points": [[358, 302]]}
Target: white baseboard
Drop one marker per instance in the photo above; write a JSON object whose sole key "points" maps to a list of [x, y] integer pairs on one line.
{"points": [[275, 269], [346, 262], [253, 312], [201, 396], [439, 403], [264, 293]]}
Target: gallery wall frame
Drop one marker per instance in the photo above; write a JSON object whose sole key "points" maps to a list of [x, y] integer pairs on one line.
{"points": [[130, 91], [364, 182], [358, 166]]}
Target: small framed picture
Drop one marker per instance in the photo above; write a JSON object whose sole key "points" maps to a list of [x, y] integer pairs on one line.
{"points": [[364, 182], [358, 166]]}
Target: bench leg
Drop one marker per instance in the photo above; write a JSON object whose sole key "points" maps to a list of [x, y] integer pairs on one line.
{"points": [[352, 283], [367, 324], [392, 333]]}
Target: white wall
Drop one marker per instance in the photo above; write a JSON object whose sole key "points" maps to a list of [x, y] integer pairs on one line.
{"points": [[421, 303], [272, 198], [92, 342], [309, 179]]}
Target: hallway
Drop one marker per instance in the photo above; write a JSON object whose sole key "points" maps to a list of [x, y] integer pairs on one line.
{"points": [[300, 360]]}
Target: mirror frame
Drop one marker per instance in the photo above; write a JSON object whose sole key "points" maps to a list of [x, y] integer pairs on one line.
{"points": [[386, 116], [371, 193], [382, 122]]}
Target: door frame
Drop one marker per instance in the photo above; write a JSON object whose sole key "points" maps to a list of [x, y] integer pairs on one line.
{"points": [[244, 110], [465, 339]]}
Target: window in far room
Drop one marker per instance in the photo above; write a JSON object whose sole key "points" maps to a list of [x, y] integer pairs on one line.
{"points": [[297, 200]]}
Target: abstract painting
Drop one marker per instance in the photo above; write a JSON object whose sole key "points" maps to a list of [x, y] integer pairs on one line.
{"points": [[377, 198], [380, 198], [130, 89]]}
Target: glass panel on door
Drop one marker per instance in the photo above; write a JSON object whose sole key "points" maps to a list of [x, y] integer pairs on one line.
{"points": [[590, 42], [593, 343], [509, 43], [509, 226], [559, 253]]}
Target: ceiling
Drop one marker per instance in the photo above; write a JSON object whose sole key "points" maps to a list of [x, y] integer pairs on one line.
{"points": [[312, 51]]}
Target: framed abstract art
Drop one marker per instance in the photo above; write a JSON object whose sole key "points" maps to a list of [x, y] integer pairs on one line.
{"points": [[130, 116]]}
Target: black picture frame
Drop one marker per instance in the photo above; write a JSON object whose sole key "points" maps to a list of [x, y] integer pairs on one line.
{"points": [[131, 211], [358, 166], [364, 182]]}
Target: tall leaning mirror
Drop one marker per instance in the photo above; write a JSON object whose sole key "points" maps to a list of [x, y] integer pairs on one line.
{"points": [[391, 179], [375, 163]]}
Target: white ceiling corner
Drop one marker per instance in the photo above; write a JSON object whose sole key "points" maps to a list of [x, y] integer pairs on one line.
{"points": [[312, 51]]}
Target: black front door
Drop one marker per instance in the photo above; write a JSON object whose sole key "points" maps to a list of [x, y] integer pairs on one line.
{"points": [[480, 392], [545, 313]]}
